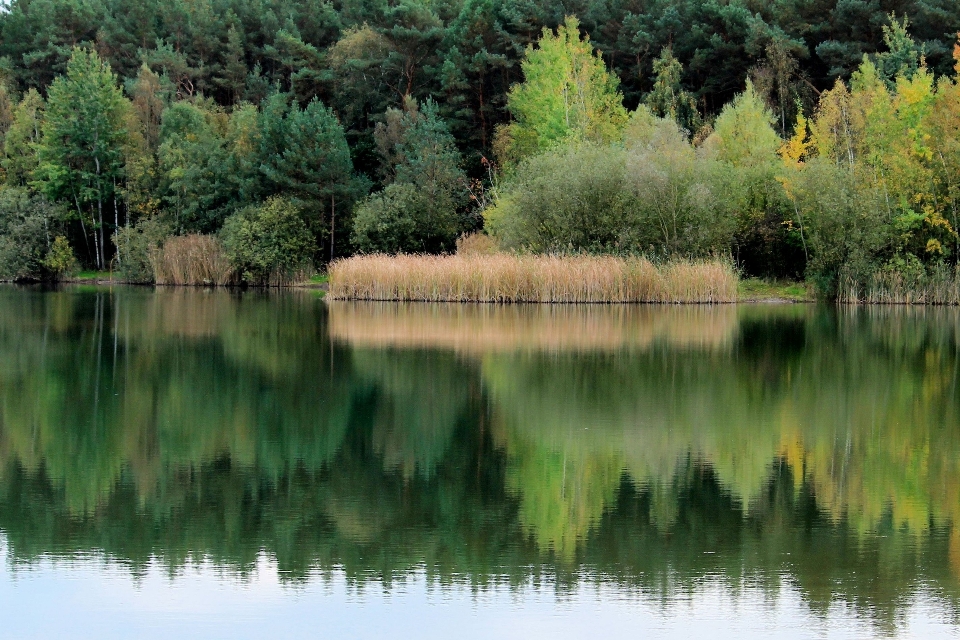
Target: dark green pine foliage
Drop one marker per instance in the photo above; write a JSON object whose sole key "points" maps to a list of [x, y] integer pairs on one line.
{"points": [[363, 56], [478, 69], [304, 157], [422, 207]]}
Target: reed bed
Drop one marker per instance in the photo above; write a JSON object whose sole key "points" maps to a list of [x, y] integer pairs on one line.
{"points": [[477, 329], [939, 287], [506, 277], [192, 260]]}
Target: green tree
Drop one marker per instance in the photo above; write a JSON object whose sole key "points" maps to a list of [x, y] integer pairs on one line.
{"points": [[208, 162], [567, 93], [7, 104], [479, 64], [268, 243], [421, 208], [149, 99], [304, 156], [20, 143], [743, 134], [903, 56], [60, 260], [745, 144], [81, 150], [668, 99], [358, 79]]}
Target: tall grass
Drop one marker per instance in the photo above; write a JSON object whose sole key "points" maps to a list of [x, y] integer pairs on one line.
{"points": [[505, 277], [477, 243], [939, 285], [191, 260]]}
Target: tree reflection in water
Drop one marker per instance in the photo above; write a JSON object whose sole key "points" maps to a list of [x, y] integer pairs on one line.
{"points": [[643, 446]]}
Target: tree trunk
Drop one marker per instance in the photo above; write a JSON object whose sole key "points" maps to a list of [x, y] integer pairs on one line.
{"points": [[101, 257], [333, 223], [96, 245], [83, 227], [103, 250], [116, 217]]}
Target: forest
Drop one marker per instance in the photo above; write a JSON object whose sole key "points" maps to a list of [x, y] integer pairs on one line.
{"points": [[253, 141]]}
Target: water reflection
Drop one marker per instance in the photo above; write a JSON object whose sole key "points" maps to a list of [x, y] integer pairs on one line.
{"points": [[645, 447]]}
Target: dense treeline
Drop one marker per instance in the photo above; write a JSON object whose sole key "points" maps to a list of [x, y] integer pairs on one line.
{"points": [[861, 197], [302, 131]]}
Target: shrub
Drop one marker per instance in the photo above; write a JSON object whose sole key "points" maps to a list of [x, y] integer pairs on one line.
{"points": [[656, 196], [569, 198], [135, 248], [845, 224], [27, 225], [403, 218], [60, 261], [420, 210], [677, 209], [268, 244]]}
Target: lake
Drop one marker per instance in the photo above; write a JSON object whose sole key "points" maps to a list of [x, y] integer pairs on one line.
{"points": [[232, 464]]}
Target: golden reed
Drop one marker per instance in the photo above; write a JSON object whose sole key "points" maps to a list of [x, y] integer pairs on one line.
{"points": [[504, 277], [192, 260]]}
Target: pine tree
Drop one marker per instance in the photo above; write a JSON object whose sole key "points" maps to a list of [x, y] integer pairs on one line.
{"points": [[304, 156], [668, 99]]}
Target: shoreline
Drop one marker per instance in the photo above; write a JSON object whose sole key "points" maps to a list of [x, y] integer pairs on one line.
{"points": [[320, 285], [324, 288], [751, 291]]}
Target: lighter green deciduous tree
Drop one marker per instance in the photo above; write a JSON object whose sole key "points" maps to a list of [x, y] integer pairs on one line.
{"points": [[81, 151], [567, 93]]}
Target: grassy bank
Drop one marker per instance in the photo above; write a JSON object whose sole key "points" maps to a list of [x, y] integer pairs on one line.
{"points": [[759, 290], [524, 278]]}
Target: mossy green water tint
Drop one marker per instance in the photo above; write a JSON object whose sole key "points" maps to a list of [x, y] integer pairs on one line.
{"points": [[646, 449]]}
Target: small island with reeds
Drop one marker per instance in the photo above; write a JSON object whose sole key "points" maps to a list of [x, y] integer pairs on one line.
{"points": [[530, 278]]}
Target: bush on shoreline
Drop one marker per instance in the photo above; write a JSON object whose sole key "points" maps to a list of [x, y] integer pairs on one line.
{"points": [[137, 248], [655, 195], [268, 244], [29, 226]]}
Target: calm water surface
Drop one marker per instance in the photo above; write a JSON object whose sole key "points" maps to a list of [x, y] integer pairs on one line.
{"points": [[236, 465]]}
